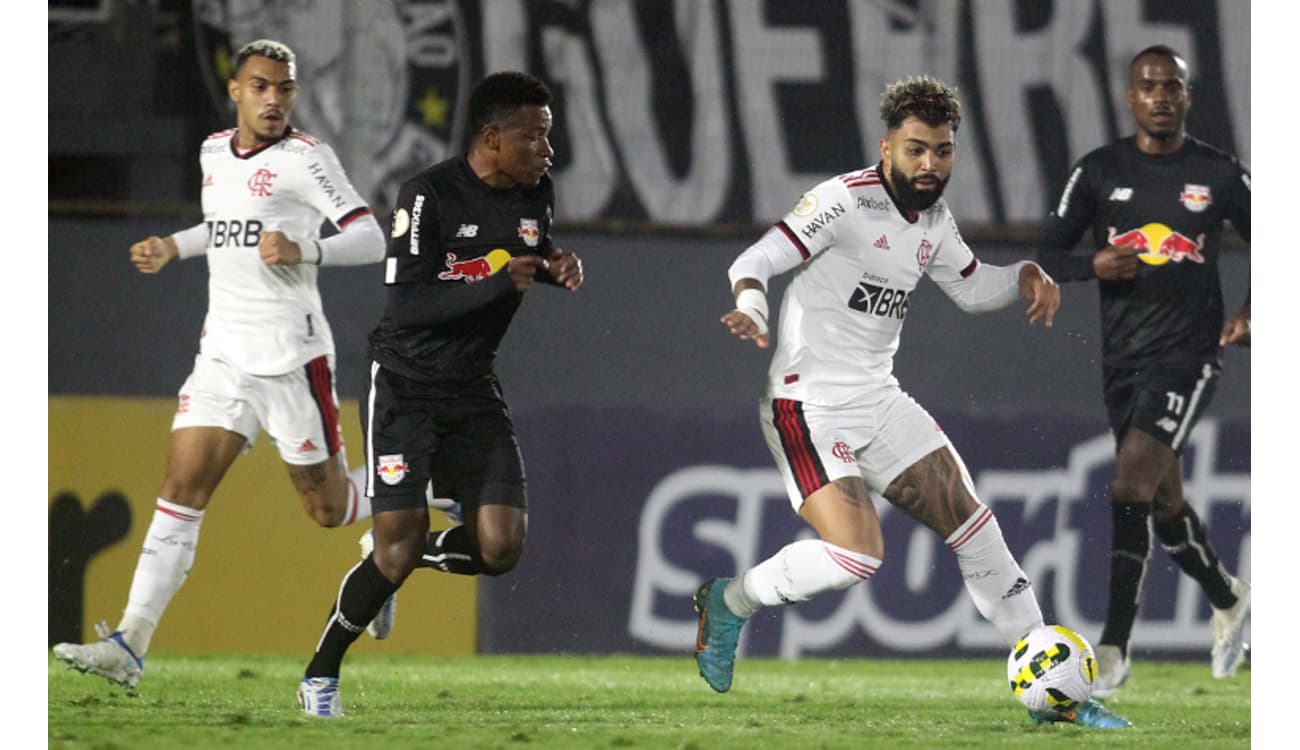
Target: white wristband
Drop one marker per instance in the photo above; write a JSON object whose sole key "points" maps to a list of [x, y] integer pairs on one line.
{"points": [[753, 303]]}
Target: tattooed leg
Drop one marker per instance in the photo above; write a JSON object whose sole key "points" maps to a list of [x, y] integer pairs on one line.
{"points": [[327, 494], [935, 491], [938, 492], [842, 514]]}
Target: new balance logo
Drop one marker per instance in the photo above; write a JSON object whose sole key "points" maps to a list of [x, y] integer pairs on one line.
{"points": [[1121, 194], [882, 243], [467, 230]]}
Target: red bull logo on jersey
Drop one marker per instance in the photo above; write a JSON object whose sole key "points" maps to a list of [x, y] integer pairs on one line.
{"points": [[1160, 244], [528, 232], [474, 269], [392, 469], [1196, 198]]}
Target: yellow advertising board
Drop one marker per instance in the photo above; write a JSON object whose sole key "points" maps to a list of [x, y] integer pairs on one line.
{"points": [[265, 575]]}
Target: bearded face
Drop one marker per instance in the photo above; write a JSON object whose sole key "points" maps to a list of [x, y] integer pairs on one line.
{"points": [[918, 193], [918, 161]]}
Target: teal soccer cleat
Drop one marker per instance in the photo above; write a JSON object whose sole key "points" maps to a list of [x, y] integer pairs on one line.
{"points": [[719, 633], [1090, 713]]}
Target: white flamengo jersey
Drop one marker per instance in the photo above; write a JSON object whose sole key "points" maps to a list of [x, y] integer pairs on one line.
{"points": [[844, 307], [268, 320]]}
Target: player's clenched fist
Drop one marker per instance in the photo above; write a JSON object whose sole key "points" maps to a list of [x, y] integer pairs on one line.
{"points": [[152, 254], [278, 250], [523, 270], [566, 269]]}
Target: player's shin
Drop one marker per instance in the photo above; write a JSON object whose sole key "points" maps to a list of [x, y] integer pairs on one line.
{"points": [[999, 587], [797, 573], [1129, 552], [164, 564], [1183, 537], [363, 592]]}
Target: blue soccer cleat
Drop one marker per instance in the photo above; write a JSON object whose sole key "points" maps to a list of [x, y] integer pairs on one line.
{"points": [[319, 696], [719, 633], [1090, 713]]}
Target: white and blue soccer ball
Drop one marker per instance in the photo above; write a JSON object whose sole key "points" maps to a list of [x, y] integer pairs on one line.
{"points": [[1052, 669]]}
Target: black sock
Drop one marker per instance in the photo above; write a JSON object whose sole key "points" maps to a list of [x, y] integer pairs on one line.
{"points": [[364, 592], [1184, 538], [451, 551], [1129, 550]]}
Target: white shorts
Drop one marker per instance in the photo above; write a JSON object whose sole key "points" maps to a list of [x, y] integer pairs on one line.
{"points": [[815, 445], [299, 410]]}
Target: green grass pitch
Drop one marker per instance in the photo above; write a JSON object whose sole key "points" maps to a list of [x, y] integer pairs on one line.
{"points": [[243, 701]]}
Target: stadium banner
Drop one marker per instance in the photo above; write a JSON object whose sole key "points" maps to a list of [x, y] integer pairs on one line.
{"points": [[264, 576], [704, 112], [631, 511]]}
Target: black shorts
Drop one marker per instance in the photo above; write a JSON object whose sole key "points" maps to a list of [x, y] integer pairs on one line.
{"points": [[1165, 401], [460, 439]]}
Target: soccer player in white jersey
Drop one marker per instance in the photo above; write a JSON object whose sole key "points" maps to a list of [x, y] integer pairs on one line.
{"points": [[266, 355], [834, 416]]}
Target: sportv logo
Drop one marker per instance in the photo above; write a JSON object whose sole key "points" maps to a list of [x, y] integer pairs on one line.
{"points": [[920, 605]]}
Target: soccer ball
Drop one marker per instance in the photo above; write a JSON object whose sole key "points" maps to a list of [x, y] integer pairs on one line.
{"points": [[1052, 669]]}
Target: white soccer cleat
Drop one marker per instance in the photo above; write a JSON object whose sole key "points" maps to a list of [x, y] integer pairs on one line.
{"points": [[1229, 626], [382, 626], [109, 658], [1113, 670], [319, 696]]}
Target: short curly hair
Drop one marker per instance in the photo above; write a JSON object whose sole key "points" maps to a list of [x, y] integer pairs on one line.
{"points": [[928, 99]]}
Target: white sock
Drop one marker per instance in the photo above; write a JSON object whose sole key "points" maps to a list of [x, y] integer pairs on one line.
{"points": [[797, 573], [1000, 589], [165, 561], [358, 504]]}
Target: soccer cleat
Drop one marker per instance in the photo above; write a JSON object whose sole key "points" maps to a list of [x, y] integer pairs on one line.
{"points": [[1113, 669], [1090, 713], [718, 635], [319, 696], [109, 658], [382, 626], [1229, 626]]}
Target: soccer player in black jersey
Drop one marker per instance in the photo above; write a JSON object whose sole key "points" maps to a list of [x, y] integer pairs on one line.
{"points": [[470, 236], [1156, 203]]}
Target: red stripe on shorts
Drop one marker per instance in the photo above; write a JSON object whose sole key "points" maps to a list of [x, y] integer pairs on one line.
{"points": [[809, 474], [321, 382]]}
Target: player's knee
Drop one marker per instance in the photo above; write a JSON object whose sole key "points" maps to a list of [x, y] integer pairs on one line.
{"points": [[1125, 489], [500, 556], [182, 492], [325, 516], [396, 561]]}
